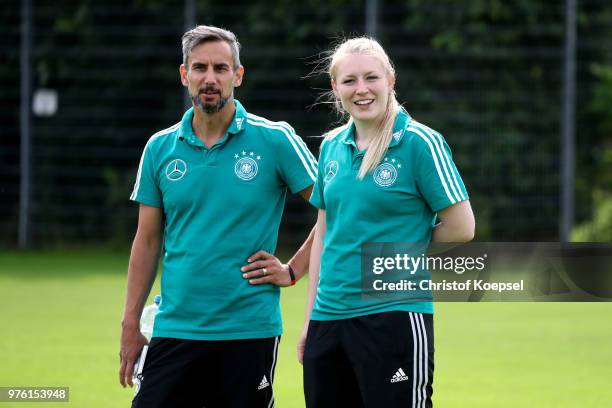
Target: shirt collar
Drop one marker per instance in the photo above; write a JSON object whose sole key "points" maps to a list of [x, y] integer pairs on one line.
{"points": [[347, 135], [237, 125], [403, 118], [239, 122]]}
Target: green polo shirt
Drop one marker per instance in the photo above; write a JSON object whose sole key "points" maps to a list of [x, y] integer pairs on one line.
{"points": [[397, 202], [220, 206]]}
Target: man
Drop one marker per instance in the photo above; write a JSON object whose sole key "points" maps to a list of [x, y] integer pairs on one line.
{"points": [[216, 182]]}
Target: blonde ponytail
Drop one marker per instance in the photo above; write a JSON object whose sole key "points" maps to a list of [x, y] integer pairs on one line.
{"points": [[380, 141]]}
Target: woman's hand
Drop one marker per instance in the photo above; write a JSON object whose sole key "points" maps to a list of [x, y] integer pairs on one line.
{"points": [[301, 344]]}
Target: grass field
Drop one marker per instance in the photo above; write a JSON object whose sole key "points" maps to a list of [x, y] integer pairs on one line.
{"points": [[60, 314]]}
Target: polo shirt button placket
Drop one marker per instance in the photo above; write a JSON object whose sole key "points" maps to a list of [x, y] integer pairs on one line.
{"points": [[356, 161]]}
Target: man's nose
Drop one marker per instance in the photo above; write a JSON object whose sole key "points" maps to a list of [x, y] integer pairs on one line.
{"points": [[210, 77]]}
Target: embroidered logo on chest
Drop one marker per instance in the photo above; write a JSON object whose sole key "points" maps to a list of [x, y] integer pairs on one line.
{"points": [[176, 169], [385, 174], [246, 166], [331, 169]]}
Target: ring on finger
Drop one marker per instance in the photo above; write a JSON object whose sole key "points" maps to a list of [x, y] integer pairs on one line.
{"points": [[264, 271]]}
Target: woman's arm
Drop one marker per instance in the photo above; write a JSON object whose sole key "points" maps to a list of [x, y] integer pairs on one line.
{"points": [[313, 278], [456, 224]]}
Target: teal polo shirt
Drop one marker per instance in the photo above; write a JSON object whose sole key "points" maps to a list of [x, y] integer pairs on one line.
{"points": [[397, 202], [220, 205]]}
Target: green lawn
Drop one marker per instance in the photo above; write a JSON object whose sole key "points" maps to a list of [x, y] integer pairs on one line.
{"points": [[60, 314]]}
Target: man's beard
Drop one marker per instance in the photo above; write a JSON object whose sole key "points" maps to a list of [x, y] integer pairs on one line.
{"points": [[207, 107]]}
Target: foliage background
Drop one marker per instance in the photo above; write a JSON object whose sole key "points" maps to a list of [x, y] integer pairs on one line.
{"points": [[486, 73]]}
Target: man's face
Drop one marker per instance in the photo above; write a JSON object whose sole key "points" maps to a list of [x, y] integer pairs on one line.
{"points": [[210, 76]]}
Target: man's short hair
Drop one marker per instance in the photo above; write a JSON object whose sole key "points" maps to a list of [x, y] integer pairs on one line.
{"points": [[201, 34]]}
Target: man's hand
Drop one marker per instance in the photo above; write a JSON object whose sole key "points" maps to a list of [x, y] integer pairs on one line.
{"points": [[266, 268], [132, 342]]}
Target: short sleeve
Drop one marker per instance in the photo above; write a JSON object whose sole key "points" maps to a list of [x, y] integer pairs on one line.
{"points": [[436, 175], [316, 198], [297, 166], [146, 189]]}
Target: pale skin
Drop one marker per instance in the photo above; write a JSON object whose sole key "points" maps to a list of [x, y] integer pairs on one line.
{"points": [[363, 86], [313, 279], [209, 77]]}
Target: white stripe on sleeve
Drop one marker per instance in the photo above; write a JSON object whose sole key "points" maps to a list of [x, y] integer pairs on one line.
{"points": [[435, 158], [437, 138], [443, 158], [303, 153]]}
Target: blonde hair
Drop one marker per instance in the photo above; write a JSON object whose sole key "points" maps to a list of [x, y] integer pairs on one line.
{"points": [[380, 142]]}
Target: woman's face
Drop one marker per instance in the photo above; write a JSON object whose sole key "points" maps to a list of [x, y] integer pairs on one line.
{"points": [[363, 86]]}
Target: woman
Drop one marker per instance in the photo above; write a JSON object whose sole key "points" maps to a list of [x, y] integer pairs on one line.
{"points": [[383, 177]]}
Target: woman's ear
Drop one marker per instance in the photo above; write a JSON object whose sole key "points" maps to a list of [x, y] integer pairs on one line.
{"points": [[391, 79]]}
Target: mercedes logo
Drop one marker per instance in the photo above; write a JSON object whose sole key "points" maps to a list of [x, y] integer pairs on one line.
{"points": [[331, 169], [176, 170]]}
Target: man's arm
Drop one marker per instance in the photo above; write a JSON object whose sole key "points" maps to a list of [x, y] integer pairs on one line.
{"points": [[141, 275], [276, 272]]}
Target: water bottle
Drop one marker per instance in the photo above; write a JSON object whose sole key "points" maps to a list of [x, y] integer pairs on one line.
{"points": [[147, 321]]}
